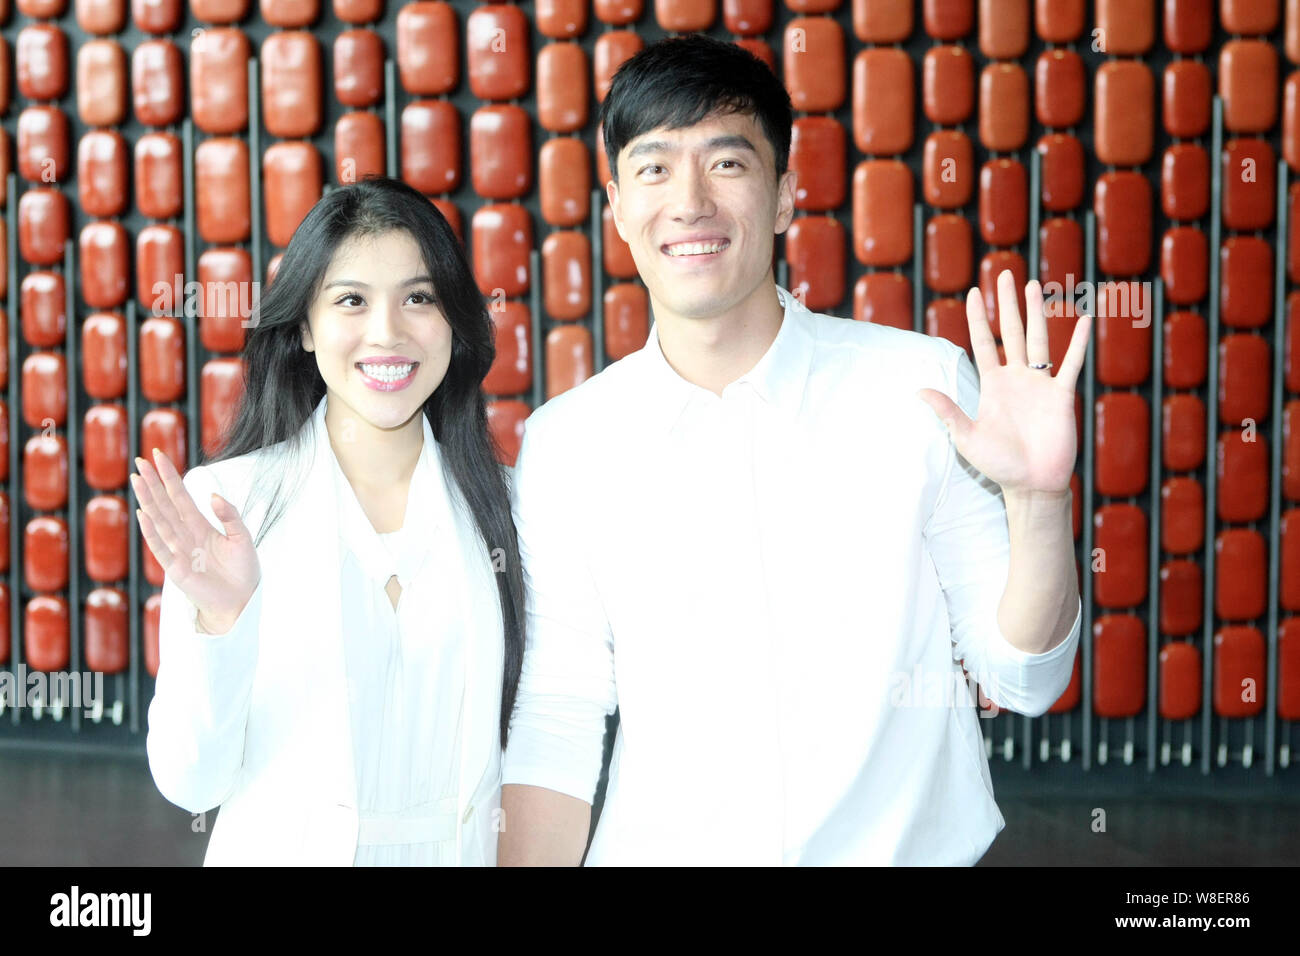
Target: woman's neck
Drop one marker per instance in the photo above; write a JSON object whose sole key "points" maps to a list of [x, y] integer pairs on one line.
{"points": [[374, 458]]}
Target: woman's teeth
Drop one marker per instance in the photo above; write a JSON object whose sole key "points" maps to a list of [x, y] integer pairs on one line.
{"points": [[387, 373]]}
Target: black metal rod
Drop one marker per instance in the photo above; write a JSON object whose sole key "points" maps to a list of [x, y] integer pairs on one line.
{"points": [[390, 118], [597, 286], [918, 266], [75, 471], [1211, 431], [15, 507], [1153, 526], [255, 170], [186, 319], [1275, 491], [535, 306], [135, 619], [1089, 484]]}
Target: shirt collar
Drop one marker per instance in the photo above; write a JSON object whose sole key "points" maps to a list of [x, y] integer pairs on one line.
{"points": [[778, 378]]}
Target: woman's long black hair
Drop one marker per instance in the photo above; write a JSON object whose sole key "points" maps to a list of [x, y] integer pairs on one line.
{"points": [[283, 386]]}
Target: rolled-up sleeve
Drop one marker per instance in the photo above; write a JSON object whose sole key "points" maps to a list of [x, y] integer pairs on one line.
{"points": [[567, 684], [968, 541]]}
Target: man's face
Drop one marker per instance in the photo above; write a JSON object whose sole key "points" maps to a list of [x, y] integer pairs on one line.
{"points": [[699, 208]]}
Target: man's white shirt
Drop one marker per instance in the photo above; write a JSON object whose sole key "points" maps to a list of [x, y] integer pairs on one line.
{"points": [[776, 587]]}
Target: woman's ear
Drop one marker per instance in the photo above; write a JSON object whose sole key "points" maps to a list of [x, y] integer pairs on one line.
{"points": [[307, 344]]}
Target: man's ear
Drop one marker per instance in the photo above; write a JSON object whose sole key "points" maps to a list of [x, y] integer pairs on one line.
{"points": [[785, 201], [611, 193], [307, 344]]}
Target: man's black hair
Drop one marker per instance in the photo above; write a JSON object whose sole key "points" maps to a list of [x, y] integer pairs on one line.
{"points": [[679, 81]]}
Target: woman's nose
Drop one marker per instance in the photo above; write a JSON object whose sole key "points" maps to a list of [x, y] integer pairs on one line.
{"points": [[384, 321]]}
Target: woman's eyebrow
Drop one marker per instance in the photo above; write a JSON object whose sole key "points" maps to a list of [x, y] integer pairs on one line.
{"points": [[362, 285]]}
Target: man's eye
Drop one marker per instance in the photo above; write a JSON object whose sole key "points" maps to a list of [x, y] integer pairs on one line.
{"points": [[733, 162], [652, 166]]}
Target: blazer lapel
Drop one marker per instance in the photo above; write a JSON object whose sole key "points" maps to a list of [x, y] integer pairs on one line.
{"points": [[483, 656], [303, 563]]}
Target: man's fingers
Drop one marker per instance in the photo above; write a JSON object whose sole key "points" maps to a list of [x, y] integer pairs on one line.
{"points": [[1013, 333], [981, 336], [1077, 351], [1036, 347]]}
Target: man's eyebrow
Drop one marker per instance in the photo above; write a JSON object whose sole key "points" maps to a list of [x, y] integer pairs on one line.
{"points": [[729, 141], [361, 285]]}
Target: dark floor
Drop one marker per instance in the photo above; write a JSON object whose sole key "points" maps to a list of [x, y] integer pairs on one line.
{"points": [[67, 808]]}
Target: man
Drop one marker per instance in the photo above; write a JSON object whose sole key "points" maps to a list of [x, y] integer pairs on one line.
{"points": [[754, 538]]}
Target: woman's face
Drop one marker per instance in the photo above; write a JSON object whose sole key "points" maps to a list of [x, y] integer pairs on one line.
{"points": [[381, 344]]}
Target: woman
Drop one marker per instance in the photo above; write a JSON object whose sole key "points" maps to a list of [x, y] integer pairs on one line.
{"points": [[342, 617]]}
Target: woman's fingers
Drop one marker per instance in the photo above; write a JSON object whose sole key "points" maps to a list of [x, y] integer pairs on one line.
{"points": [[157, 504], [161, 552], [153, 491], [230, 518], [187, 511], [163, 528], [153, 502]]}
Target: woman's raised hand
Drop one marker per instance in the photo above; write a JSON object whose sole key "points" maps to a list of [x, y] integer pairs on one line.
{"points": [[217, 572]]}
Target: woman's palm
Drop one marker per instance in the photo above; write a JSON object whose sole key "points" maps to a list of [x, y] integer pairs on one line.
{"points": [[217, 571]]}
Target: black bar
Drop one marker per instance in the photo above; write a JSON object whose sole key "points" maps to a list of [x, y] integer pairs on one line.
{"points": [[535, 305], [1089, 482], [187, 320], [1275, 472], [597, 286], [135, 620], [1211, 430], [14, 371], [390, 118], [73, 429], [1153, 526]]}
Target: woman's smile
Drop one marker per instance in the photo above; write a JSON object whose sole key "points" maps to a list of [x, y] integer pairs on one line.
{"points": [[387, 376]]}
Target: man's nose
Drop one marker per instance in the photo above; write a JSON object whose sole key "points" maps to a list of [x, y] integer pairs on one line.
{"points": [[691, 199]]}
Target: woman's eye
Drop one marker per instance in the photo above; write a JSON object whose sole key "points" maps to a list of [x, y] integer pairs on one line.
{"points": [[423, 298], [345, 300]]}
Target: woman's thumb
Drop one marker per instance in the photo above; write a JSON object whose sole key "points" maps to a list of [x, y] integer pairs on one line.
{"points": [[228, 515]]}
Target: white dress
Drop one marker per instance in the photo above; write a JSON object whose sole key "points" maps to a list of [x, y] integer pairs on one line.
{"points": [[405, 676]]}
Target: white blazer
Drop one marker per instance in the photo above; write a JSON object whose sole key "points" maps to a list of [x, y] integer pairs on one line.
{"points": [[257, 720]]}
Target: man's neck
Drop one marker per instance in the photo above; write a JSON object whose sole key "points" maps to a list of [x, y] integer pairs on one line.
{"points": [[714, 351]]}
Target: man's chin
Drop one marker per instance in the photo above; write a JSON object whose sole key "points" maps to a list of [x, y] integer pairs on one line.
{"points": [[696, 303]]}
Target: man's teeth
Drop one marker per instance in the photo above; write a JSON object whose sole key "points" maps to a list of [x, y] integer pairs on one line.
{"points": [[695, 248], [387, 373]]}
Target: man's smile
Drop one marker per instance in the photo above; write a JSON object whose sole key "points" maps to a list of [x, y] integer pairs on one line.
{"points": [[695, 249]]}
